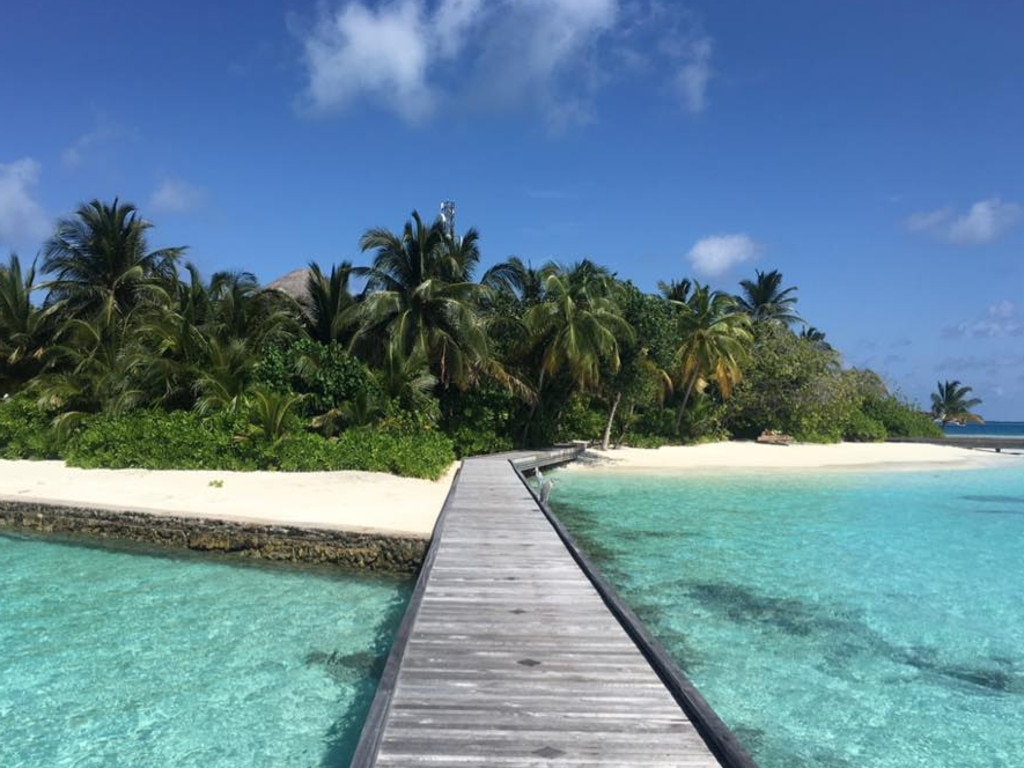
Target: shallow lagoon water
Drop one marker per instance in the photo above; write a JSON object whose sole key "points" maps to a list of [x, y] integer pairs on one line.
{"points": [[870, 619], [114, 658]]}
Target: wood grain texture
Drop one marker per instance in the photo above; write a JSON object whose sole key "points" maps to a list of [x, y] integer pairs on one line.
{"points": [[512, 657]]}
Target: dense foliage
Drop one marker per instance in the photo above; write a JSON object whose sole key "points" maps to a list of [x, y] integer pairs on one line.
{"points": [[112, 354]]}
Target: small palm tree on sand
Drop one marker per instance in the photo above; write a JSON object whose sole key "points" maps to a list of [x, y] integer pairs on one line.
{"points": [[951, 404]]}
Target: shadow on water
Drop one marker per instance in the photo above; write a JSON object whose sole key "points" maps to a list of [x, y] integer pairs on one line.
{"points": [[361, 670], [844, 636], [994, 499]]}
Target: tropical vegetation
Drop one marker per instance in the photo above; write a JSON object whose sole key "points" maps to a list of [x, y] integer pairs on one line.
{"points": [[114, 354], [951, 404]]}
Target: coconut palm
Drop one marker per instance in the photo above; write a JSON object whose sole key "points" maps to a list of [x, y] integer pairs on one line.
{"points": [[25, 329], [765, 300], [329, 303], [951, 404], [577, 324], [422, 298], [518, 279], [575, 328], [100, 261], [676, 290], [716, 341]]}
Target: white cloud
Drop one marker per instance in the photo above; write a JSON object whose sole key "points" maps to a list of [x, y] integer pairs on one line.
{"points": [[985, 222], [931, 221], [384, 53], [1000, 320], [22, 219], [413, 56], [176, 196], [695, 74], [715, 255], [104, 133]]}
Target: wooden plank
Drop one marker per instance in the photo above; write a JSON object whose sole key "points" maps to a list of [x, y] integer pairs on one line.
{"points": [[512, 657]]}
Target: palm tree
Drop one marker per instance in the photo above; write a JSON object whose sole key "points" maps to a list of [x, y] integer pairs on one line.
{"points": [[100, 262], [576, 326], [25, 330], [716, 341], [951, 404], [518, 279], [421, 297], [765, 301], [815, 336], [329, 303], [676, 290]]}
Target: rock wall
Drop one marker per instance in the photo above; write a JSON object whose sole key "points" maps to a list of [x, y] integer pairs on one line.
{"points": [[263, 542]]}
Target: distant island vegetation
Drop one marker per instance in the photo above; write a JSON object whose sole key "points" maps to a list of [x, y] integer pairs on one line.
{"points": [[133, 359]]}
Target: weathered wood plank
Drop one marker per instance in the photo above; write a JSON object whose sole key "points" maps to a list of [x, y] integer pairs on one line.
{"points": [[513, 658]]}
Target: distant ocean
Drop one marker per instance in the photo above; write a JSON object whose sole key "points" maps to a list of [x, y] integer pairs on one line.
{"points": [[988, 429]]}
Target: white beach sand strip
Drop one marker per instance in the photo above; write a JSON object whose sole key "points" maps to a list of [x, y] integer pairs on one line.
{"points": [[742, 455], [360, 502]]}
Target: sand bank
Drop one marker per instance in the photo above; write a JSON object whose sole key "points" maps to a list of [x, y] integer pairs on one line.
{"points": [[741, 455], [356, 502]]}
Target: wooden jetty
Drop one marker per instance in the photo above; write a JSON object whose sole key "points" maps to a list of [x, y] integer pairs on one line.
{"points": [[977, 442], [511, 654]]}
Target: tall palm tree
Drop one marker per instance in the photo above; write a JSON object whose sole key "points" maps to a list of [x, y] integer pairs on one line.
{"points": [[951, 404], [329, 303], [716, 341], [765, 300], [575, 327], [577, 324], [421, 297], [25, 329], [519, 279], [100, 261], [676, 290]]}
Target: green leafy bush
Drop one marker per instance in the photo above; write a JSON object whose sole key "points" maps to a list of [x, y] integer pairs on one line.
{"points": [[26, 430], [153, 439], [184, 440], [479, 421], [861, 428], [900, 419]]}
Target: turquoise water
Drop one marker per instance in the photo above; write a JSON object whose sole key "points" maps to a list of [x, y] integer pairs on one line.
{"points": [[120, 659], [988, 429], [832, 619]]}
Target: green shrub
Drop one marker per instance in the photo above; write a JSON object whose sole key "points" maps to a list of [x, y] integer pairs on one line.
{"points": [[426, 454], [153, 439], [861, 428], [900, 419], [26, 430], [185, 440], [479, 421]]}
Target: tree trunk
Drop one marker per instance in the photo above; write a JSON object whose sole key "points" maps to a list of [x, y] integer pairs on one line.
{"points": [[533, 409], [686, 399], [627, 423], [608, 427]]}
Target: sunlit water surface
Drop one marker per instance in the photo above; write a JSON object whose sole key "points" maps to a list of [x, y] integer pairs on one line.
{"points": [[123, 659], [862, 619]]}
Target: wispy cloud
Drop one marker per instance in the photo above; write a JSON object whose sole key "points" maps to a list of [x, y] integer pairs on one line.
{"points": [[176, 196], [713, 256], [103, 133], [984, 222], [412, 57], [1001, 319], [22, 219]]}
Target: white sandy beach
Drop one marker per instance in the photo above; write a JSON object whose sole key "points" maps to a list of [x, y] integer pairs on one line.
{"points": [[370, 502], [379, 503], [754, 456]]}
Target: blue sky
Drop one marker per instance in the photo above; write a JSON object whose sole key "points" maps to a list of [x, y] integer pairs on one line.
{"points": [[871, 151]]}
